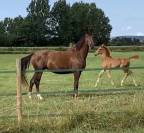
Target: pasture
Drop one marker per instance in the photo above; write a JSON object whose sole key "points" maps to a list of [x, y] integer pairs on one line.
{"points": [[100, 109]]}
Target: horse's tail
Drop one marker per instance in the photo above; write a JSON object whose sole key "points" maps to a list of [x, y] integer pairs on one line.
{"points": [[135, 57], [25, 61]]}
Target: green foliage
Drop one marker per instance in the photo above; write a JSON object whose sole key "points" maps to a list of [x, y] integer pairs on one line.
{"points": [[38, 12], [87, 17], [60, 25], [2, 28], [119, 41], [61, 14]]}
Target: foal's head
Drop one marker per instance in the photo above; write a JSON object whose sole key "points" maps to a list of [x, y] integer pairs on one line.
{"points": [[103, 50]]}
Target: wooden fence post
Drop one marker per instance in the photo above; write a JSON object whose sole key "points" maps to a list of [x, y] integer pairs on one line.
{"points": [[19, 93]]}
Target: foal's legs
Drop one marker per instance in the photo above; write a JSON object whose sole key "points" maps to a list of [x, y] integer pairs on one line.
{"points": [[124, 78], [76, 83], [127, 73], [99, 76], [131, 74], [35, 80], [109, 76]]}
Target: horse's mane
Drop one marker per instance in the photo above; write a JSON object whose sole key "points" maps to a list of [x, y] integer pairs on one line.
{"points": [[80, 43], [108, 52]]}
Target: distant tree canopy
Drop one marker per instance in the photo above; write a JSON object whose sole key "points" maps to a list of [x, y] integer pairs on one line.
{"points": [[119, 41], [58, 25]]}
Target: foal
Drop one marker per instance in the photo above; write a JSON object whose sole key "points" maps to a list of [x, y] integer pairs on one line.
{"points": [[110, 62]]}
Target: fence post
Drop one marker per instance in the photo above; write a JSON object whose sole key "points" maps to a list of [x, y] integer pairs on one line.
{"points": [[18, 89]]}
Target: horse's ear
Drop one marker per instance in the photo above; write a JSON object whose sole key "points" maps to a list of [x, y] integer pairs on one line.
{"points": [[103, 45], [88, 33], [89, 30]]}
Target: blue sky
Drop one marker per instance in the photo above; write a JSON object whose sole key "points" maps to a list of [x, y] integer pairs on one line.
{"points": [[126, 16]]}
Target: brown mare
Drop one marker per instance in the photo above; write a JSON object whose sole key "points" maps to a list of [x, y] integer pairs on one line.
{"points": [[110, 62], [74, 58]]}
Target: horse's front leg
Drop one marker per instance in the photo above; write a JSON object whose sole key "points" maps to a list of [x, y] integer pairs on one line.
{"points": [[110, 77], [76, 83], [99, 76]]}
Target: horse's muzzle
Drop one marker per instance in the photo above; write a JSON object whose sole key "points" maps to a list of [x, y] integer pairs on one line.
{"points": [[96, 54], [92, 47]]}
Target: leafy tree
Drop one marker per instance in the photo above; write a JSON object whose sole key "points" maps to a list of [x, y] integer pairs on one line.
{"points": [[2, 33], [85, 17], [61, 19], [38, 12], [17, 22], [8, 24], [2, 28], [6, 35], [123, 41], [59, 26]]}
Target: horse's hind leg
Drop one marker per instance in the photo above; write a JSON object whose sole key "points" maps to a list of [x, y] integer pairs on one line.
{"points": [[131, 74], [37, 83], [99, 76], [31, 86], [124, 78], [127, 72], [109, 76], [35, 80]]}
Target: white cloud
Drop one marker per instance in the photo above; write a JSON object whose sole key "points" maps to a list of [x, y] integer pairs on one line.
{"points": [[140, 34]]}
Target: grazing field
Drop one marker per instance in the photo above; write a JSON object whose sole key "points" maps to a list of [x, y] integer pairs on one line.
{"points": [[101, 109]]}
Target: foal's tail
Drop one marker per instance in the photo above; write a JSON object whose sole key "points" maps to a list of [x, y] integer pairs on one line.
{"points": [[25, 61], [135, 57]]}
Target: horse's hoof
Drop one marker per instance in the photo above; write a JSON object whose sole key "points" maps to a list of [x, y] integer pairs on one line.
{"points": [[122, 83], [136, 85], [30, 97], [39, 97], [95, 85], [113, 84], [75, 96]]}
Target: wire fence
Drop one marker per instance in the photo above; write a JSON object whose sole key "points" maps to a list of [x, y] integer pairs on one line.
{"points": [[67, 70], [92, 91]]}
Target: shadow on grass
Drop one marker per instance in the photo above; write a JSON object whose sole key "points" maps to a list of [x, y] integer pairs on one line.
{"points": [[88, 92], [94, 92]]}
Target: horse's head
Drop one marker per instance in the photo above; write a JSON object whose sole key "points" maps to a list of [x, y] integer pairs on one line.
{"points": [[102, 50], [89, 40]]}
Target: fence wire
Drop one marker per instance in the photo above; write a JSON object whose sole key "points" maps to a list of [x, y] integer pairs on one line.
{"points": [[68, 70], [91, 91]]}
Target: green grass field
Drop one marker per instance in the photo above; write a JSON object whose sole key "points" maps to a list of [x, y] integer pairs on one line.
{"points": [[103, 109]]}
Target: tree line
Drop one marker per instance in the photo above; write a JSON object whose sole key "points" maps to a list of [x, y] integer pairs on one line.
{"points": [[56, 25], [125, 40]]}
